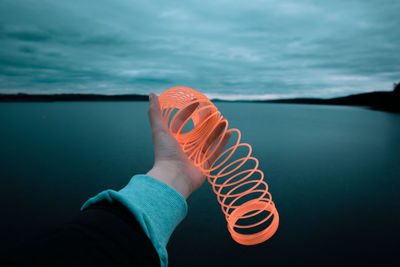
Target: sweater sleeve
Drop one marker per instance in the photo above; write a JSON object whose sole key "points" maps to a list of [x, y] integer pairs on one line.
{"points": [[157, 207]]}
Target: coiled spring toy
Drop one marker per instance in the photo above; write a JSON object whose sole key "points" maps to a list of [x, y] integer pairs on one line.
{"points": [[250, 213]]}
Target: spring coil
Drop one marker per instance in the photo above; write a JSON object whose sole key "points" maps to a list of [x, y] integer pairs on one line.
{"points": [[241, 190]]}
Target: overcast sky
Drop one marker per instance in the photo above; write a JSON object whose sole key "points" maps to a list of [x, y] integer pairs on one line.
{"points": [[230, 49]]}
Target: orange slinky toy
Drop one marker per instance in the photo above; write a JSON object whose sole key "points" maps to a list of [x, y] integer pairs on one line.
{"points": [[234, 175]]}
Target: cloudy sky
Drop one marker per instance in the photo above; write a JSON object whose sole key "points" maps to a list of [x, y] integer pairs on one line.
{"points": [[230, 49]]}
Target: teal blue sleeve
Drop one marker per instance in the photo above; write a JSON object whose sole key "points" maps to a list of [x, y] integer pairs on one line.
{"points": [[157, 207]]}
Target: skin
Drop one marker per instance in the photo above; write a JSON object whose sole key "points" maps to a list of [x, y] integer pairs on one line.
{"points": [[171, 164]]}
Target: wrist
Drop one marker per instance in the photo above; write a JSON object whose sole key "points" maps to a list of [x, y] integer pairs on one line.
{"points": [[168, 174]]}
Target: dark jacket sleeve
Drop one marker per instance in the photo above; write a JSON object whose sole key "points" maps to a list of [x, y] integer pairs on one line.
{"points": [[105, 234]]}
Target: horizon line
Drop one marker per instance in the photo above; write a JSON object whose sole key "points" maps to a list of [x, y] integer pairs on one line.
{"points": [[211, 96]]}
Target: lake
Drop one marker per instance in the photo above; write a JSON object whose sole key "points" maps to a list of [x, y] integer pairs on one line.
{"points": [[333, 172]]}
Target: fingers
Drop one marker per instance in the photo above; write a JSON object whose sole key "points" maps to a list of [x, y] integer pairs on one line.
{"points": [[213, 140], [162, 137], [220, 148], [214, 135], [182, 116], [155, 116]]}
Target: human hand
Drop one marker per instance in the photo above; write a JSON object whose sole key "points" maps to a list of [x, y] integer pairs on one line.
{"points": [[171, 164]]}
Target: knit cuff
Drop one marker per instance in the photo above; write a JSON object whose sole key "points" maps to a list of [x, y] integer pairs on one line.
{"points": [[157, 207]]}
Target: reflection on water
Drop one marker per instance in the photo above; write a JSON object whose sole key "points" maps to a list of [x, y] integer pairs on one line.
{"points": [[333, 173]]}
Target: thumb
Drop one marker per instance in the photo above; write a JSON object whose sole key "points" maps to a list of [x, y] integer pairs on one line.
{"points": [[155, 117], [165, 145]]}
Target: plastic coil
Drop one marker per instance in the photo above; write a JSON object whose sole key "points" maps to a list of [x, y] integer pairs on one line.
{"points": [[250, 213]]}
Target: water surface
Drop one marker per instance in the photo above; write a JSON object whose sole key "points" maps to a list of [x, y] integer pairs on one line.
{"points": [[333, 173]]}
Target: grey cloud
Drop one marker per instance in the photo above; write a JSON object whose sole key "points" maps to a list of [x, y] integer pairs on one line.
{"points": [[150, 80], [304, 48], [103, 40], [27, 49], [30, 36]]}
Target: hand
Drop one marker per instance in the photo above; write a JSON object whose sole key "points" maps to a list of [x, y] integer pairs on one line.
{"points": [[171, 164]]}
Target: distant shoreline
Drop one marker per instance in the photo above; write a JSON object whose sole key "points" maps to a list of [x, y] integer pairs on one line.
{"points": [[69, 97], [380, 100]]}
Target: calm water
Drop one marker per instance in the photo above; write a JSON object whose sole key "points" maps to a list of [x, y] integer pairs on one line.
{"points": [[333, 173]]}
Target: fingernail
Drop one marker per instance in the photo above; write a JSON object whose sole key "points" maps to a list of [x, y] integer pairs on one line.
{"points": [[150, 97]]}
